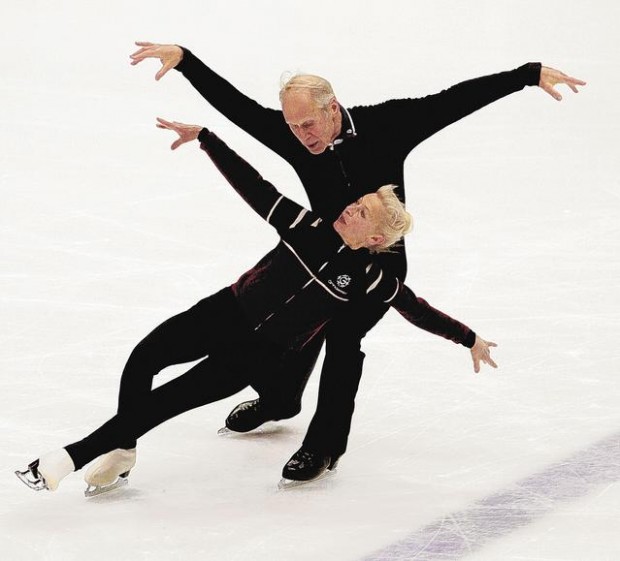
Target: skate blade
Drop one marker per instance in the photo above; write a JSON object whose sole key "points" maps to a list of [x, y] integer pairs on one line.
{"points": [[225, 431], [30, 480], [292, 483], [94, 490]]}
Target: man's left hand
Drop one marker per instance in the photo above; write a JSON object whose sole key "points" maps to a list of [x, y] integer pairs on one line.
{"points": [[550, 77]]}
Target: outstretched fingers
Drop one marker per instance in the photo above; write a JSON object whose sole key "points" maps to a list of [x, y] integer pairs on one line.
{"points": [[573, 83], [140, 54], [550, 77], [168, 55], [187, 133], [481, 352], [486, 355], [476, 364], [146, 50], [576, 81], [168, 125], [144, 46], [555, 94]]}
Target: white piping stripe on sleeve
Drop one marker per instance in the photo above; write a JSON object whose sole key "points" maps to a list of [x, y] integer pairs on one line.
{"points": [[274, 207], [369, 267], [299, 217], [314, 277], [316, 222], [323, 266], [262, 322], [395, 292], [374, 284]]}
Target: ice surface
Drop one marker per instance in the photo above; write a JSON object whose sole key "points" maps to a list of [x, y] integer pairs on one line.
{"points": [[105, 232]]}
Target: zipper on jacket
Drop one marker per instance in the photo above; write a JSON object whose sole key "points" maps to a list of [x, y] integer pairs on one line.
{"points": [[341, 164]]}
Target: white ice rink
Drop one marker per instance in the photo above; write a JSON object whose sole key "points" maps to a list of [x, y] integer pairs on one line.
{"points": [[105, 233]]}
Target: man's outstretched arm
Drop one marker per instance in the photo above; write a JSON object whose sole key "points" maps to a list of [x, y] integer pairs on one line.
{"points": [[424, 116], [265, 124]]}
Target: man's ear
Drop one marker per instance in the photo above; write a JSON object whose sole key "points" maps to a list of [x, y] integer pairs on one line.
{"points": [[334, 106]]}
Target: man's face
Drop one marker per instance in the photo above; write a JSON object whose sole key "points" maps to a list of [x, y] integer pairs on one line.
{"points": [[358, 224], [314, 127]]}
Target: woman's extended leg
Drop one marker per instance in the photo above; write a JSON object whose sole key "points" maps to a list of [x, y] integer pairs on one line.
{"points": [[208, 381], [202, 329], [212, 379], [215, 326]]}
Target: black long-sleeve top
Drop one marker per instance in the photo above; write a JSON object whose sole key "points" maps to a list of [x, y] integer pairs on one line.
{"points": [[311, 275], [374, 140]]}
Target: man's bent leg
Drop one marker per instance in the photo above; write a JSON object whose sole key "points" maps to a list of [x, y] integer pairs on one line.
{"points": [[327, 436], [280, 390], [330, 426]]}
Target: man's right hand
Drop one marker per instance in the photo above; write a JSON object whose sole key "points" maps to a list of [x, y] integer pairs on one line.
{"points": [[169, 55]]}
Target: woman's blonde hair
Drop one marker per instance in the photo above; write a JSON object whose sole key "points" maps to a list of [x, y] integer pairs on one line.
{"points": [[396, 221]]}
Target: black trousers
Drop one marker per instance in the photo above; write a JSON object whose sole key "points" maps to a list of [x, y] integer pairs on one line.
{"points": [[340, 377], [214, 328]]}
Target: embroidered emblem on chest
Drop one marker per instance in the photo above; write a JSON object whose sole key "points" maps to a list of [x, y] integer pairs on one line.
{"points": [[343, 281]]}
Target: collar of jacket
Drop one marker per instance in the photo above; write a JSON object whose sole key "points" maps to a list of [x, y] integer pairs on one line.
{"points": [[347, 129]]}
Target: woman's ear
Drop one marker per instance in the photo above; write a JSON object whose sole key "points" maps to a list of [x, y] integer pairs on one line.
{"points": [[374, 240]]}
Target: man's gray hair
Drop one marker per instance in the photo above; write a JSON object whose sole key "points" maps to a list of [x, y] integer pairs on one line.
{"points": [[320, 89]]}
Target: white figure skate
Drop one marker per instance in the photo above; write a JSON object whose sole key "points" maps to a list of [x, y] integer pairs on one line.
{"points": [[48, 471], [110, 471]]}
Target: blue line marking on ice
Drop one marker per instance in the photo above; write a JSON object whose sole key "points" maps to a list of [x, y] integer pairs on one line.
{"points": [[463, 532]]}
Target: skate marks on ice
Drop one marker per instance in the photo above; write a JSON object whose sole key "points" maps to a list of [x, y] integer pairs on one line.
{"points": [[461, 533]]}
